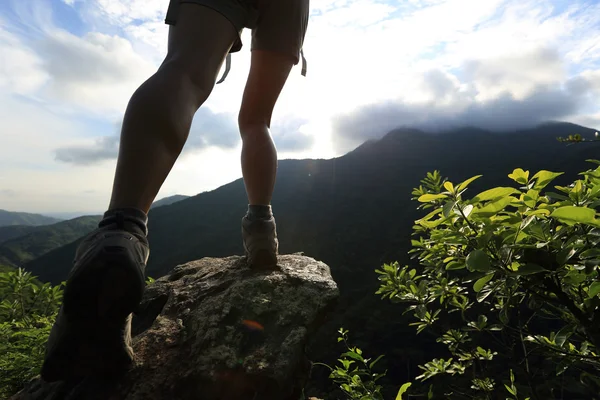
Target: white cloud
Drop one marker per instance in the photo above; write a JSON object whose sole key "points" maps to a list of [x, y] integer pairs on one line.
{"points": [[21, 69], [97, 72]]}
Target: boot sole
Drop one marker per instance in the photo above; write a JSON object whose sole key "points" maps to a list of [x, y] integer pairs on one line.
{"points": [[97, 304]]}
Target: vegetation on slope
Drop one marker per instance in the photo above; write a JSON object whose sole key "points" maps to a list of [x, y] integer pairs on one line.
{"points": [[40, 240]]}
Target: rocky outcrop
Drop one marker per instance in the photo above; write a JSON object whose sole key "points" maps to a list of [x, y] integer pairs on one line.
{"points": [[214, 329]]}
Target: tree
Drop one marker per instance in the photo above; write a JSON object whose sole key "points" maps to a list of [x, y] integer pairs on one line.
{"points": [[508, 281]]}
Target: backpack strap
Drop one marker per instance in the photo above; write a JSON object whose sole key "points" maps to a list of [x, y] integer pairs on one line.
{"points": [[227, 68]]}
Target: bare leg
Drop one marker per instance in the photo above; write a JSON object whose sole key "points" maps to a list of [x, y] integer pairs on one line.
{"points": [[268, 74], [159, 115]]}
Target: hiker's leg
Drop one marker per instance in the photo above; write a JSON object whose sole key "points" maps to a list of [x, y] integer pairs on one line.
{"points": [[159, 115], [268, 74]]}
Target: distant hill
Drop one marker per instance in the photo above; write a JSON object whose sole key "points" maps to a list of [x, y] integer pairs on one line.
{"points": [[37, 241], [22, 243], [21, 218], [13, 231], [168, 200], [353, 212]]}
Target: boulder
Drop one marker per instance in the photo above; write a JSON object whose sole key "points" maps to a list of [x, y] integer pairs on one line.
{"points": [[215, 329]]}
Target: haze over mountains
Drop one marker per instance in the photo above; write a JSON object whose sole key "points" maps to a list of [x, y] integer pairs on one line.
{"points": [[22, 243], [22, 218]]}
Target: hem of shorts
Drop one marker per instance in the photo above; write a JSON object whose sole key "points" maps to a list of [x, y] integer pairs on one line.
{"points": [[237, 45], [296, 57]]}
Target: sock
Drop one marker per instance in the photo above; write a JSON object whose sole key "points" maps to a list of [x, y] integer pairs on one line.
{"points": [[130, 219], [259, 212]]}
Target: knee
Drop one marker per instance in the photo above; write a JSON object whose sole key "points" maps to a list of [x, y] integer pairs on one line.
{"points": [[198, 84], [252, 125]]}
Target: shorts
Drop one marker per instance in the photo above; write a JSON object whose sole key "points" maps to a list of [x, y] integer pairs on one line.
{"points": [[277, 25]]}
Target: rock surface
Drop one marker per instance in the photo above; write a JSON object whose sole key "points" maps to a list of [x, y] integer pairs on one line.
{"points": [[214, 329]]}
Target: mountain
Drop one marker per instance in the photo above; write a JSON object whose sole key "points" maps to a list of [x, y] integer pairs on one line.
{"points": [[168, 200], [13, 231], [23, 243], [354, 213], [36, 241], [22, 218]]}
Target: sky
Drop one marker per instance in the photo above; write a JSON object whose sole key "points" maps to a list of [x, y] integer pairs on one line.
{"points": [[69, 67]]}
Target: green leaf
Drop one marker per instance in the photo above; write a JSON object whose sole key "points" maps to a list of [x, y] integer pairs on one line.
{"points": [[543, 178], [493, 207], [353, 355], [375, 361], [495, 193], [562, 335], [449, 186], [539, 211], [455, 265], [427, 198], [481, 283], [479, 261], [466, 183], [530, 199], [431, 214], [510, 390], [519, 176], [594, 289], [403, 390], [448, 207], [574, 214], [590, 253], [530, 269], [565, 255]]}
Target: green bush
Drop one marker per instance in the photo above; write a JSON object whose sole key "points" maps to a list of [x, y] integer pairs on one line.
{"points": [[355, 376], [508, 281], [28, 309]]}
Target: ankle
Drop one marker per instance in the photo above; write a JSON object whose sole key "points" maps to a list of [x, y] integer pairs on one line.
{"points": [[130, 219], [259, 212]]}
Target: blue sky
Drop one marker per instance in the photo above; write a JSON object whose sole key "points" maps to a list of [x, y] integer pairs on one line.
{"points": [[68, 68]]}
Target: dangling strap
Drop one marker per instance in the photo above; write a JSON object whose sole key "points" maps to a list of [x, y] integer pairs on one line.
{"points": [[303, 72], [227, 68]]}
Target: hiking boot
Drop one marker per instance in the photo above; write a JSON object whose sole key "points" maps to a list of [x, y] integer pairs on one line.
{"points": [[260, 241], [92, 332]]}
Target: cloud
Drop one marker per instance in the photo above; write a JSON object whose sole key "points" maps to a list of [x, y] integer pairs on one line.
{"points": [[21, 70], [518, 74], [450, 103], [8, 193], [288, 136], [209, 129], [213, 129], [104, 148], [97, 71]]}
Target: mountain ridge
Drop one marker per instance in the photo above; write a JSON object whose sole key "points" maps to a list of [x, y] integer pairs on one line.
{"points": [[391, 155], [8, 218]]}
